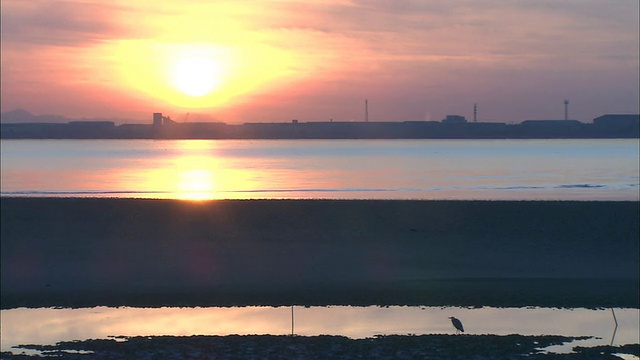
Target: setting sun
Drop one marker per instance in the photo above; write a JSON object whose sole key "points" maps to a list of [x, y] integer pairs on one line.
{"points": [[196, 76], [199, 75]]}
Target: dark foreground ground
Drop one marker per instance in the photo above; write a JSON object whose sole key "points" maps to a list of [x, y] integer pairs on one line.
{"points": [[86, 252], [325, 347]]}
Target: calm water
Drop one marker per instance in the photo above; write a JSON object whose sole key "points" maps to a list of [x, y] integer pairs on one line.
{"points": [[334, 169], [48, 326]]}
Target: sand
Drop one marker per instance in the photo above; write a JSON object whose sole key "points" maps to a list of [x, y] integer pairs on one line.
{"points": [[77, 252]]}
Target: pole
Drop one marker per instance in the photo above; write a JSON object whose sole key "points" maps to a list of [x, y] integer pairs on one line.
{"points": [[475, 112], [366, 110]]}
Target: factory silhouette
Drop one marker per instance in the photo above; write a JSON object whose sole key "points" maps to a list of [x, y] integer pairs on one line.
{"points": [[451, 127]]}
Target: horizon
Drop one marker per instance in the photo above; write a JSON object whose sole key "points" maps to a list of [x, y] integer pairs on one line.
{"points": [[203, 118], [273, 61]]}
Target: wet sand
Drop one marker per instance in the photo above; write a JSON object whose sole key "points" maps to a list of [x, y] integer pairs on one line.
{"points": [[85, 252]]}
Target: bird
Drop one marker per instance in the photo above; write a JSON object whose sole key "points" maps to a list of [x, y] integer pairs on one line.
{"points": [[457, 324]]}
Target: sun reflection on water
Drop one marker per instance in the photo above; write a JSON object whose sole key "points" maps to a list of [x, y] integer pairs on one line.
{"points": [[193, 170], [194, 177], [268, 169], [196, 184]]}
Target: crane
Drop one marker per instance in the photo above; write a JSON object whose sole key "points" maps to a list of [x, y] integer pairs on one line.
{"points": [[457, 324]]}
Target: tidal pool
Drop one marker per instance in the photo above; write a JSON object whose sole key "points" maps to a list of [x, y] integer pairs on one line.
{"points": [[47, 326]]}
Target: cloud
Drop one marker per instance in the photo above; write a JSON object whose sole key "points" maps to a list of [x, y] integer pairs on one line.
{"points": [[58, 23], [498, 29], [387, 28], [412, 55]]}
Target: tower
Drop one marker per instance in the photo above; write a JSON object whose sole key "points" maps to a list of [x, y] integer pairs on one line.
{"points": [[566, 109], [157, 120], [366, 110], [475, 112]]}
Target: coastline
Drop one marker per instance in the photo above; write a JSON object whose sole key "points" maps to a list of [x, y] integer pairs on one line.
{"points": [[607, 126], [78, 252]]}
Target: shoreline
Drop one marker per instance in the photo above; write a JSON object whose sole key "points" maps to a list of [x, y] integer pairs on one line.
{"points": [[327, 347], [81, 252]]}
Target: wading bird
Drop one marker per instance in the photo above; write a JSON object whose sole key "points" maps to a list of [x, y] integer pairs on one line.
{"points": [[457, 324]]}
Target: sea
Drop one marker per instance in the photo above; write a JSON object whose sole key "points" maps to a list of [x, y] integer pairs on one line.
{"points": [[576, 169]]}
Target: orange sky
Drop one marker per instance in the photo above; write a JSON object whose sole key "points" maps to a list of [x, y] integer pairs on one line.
{"points": [[277, 60]]}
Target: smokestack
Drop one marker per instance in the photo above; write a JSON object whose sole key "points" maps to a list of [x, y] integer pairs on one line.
{"points": [[475, 112], [366, 110]]}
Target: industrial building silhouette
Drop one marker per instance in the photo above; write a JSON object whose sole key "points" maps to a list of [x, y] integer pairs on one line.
{"points": [[452, 127]]}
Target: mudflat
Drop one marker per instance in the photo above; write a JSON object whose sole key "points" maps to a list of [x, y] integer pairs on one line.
{"points": [[139, 252], [325, 347]]}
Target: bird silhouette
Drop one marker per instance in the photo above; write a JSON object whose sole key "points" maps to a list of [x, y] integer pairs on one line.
{"points": [[457, 324]]}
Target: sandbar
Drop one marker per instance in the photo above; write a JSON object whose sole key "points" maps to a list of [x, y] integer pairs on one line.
{"points": [[80, 252]]}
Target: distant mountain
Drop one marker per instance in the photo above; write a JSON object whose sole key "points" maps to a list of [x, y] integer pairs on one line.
{"points": [[24, 116], [18, 115]]}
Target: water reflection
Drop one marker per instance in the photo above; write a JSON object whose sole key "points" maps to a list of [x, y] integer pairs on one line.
{"points": [[188, 170], [201, 169], [400, 169], [48, 326]]}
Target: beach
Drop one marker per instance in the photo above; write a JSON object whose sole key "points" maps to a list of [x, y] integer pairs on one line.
{"points": [[80, 252]]}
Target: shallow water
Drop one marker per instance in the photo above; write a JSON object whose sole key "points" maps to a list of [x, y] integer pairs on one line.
{"points": [[47, 326], [331, 169]]}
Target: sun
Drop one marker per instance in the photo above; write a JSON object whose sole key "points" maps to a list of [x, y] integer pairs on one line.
{"points": [[196, 76], [200, 75]]}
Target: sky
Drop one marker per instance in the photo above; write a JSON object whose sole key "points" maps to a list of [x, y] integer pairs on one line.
{"points": [[278, 60]]}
